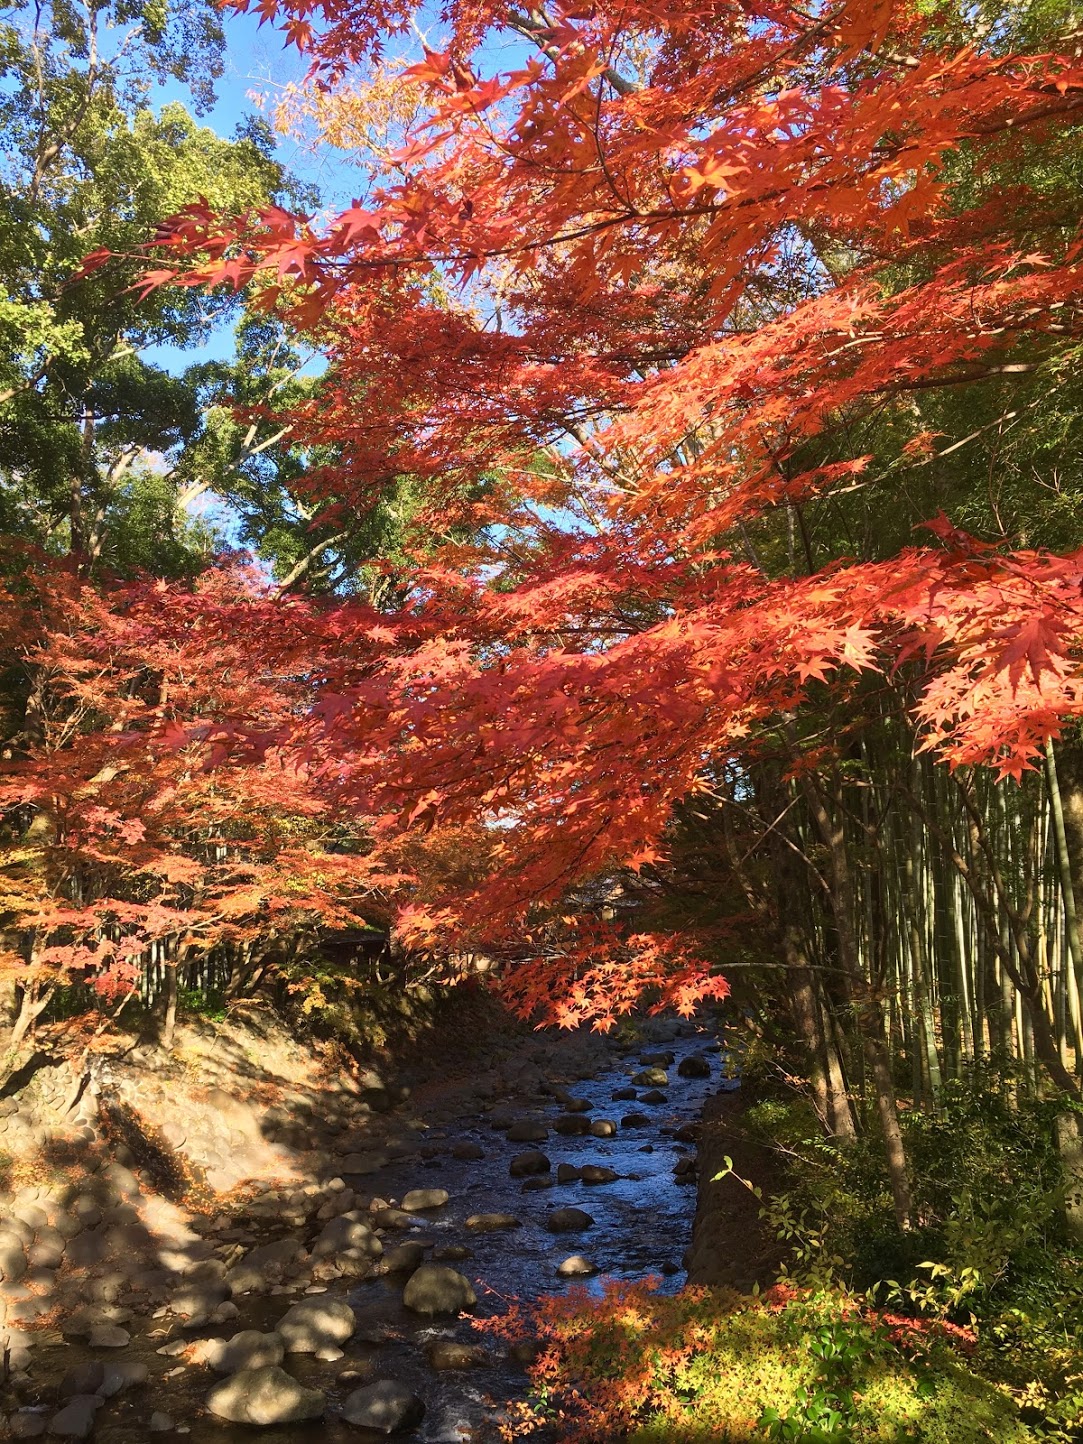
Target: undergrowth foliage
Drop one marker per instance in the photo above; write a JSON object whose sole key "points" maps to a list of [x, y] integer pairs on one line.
{"points": [[796, 1364]]}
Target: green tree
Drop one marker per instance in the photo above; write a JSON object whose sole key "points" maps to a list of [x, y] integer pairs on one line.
{"points": [[92, 430]]}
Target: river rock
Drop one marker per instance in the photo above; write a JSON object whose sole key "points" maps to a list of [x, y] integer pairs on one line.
{"points": [[161, 1422], [527, 1132], [386, 1406], [577, 1267], [12, 1256], [651, 1078], [445, 1354], [655, 1060], [653, 1095], [388, 1217], [83, 1379], [434, 1289], [265, 1396], [694, 1066], [76, 1419], [119, 1377], [349, 1231], [603, 1128], [455, 1252], [568, 1220], [635, 1120], [420, 1200], [578, 1105], [264, 1266], [572, 1125], [26, 1424], [624, 1095], [403, 1258], [492, 1222], [247, 1350], [595, 1173], [535, 1185], [567, 1173], [316, 1323], [109, 1336], [467, 1149], [524, 1164]]}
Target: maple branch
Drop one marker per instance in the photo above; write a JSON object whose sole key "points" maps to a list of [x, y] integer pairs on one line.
{"points": [[537, 28]]}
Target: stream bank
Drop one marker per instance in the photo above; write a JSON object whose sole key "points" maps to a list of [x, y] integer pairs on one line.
{"points": [[119, 1318]]}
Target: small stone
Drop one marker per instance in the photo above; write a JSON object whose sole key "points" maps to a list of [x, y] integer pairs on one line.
{"points": [[83, 1379], [654, 1095], [651, 1078], [572, 1125], [450, 1354], [348, 1231], [694, 1066], [265, 1396], [402, 1258], [535, 1185], [453, 1252], [109, 1336], [492, 1222], [387, 1407], [419, 1200], [595, 1173], [76, 1419], [568, 1220], [624, 1095], [160, 1422], [26, 1424], [468, 1150], [434, 1289], [603, 1128], [577, 1267], [635, 1120], [12, 1256], [578, 1105], [524, 1164], [567, 1173], [117, 1378], [527, 1132]]}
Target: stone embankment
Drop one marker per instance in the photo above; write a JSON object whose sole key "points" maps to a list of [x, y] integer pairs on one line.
{"points": [[186, 1244]]}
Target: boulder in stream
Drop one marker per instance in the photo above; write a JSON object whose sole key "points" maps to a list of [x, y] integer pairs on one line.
{"points": [[527, 1131], [492, 1222], [247, 1350], [635, 1120], [603, 1127], [387, 1407], [568, 1220], [651, 1078], [653, 1095], [349, 1231], [316, 1323], [451, 1354], [577, 1267], [420, 1200], [532, 1161], [265, 1396], [572, 1125], [694, 1066], [568, 1173], [595, 1173], [434, 1289]]}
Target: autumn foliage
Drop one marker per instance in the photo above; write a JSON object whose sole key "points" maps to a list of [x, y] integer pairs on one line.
{"points": [[616, 303]]}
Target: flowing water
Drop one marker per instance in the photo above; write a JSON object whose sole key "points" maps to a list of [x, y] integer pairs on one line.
{"points": [[641, 1226]]}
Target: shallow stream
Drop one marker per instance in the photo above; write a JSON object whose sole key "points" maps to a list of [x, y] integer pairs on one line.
{"points": [[642, 1225]]}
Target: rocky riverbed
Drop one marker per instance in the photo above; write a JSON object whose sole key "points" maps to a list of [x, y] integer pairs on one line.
{"points": [[339, 1301]]}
